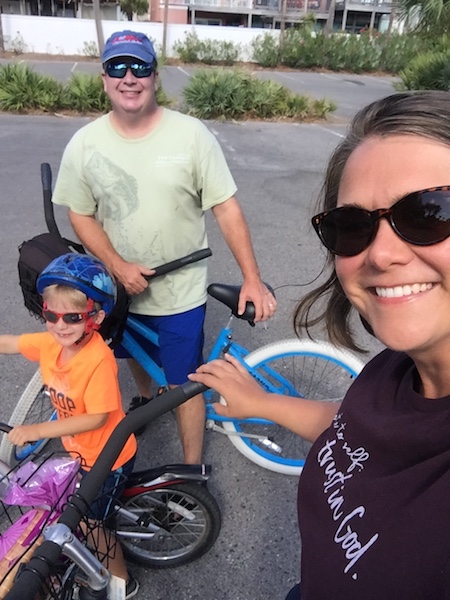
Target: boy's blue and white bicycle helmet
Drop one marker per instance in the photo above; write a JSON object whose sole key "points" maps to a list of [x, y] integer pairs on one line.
{"points": [[84, 273]]}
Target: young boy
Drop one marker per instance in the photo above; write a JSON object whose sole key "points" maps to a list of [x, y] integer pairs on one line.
{"points": [[80, 373]]}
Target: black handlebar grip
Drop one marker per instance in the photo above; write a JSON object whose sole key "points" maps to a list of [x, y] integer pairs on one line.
{"points": [[181, 262], [46, 177], [49, 215], [30, 579]]}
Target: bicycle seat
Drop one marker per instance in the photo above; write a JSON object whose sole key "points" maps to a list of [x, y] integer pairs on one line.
{"points": [[229, 295]]}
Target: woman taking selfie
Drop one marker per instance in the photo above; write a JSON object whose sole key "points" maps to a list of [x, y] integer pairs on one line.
{"points": [[373, 502]]}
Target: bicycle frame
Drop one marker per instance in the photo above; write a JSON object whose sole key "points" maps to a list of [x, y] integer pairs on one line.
{"points": [[224, 343]]}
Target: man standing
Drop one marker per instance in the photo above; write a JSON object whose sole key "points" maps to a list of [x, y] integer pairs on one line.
{"points": [[137, 182]]}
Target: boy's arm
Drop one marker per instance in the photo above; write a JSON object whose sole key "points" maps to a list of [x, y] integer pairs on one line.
{"points": [[22, 434], [9, 344]]}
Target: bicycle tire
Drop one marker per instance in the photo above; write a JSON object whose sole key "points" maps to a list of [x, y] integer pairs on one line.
{"points": [[34, 406], [315, 370], [188, 515]]}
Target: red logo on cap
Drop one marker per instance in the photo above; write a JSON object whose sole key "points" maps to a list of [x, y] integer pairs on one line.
{"points": [[126, 38]]}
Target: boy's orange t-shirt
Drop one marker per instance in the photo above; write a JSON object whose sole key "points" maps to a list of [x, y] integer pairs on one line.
{"points": [[88, 383]]}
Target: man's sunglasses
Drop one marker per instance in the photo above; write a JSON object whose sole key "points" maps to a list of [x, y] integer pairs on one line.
{"points": [[68, 318], [420, 218], [118, 70]]}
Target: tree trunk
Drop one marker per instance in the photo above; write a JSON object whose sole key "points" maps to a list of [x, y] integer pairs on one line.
{"points": [[165, 25], [328, 29], [2, 41], [282, 26], [391, 17], [98, 26]]}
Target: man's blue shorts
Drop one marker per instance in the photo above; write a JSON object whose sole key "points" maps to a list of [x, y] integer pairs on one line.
{"points": [[181, 340]]}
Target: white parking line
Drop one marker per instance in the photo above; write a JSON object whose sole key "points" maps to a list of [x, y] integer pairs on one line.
{"points": [[336, 133], [284, 76], [183, 71], [222, 140], [328, 76], [74, 67]]}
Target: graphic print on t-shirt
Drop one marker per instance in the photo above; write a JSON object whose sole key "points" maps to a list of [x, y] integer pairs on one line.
{"points": [[59, 390], [336, 450]]}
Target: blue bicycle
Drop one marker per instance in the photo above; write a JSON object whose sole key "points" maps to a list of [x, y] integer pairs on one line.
{"points": [[295, 367]]}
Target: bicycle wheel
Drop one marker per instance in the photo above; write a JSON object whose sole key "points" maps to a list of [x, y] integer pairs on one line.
{"points": [[188, 521], [34, 406], [302, 368]]}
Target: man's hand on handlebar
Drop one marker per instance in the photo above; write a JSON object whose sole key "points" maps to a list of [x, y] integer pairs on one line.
{"points": [[264, 301], [132, 276]]}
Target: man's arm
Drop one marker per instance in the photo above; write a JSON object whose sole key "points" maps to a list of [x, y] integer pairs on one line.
{"points": [[94, 238], [236, 233]]}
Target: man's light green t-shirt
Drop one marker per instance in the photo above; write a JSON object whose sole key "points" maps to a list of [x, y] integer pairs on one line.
{"points": [[150, 195]]}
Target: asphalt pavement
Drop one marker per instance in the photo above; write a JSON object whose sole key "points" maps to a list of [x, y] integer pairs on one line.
{"points": [[278, 168]]}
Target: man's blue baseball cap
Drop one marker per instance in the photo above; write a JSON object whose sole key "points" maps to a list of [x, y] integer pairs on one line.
{"points": [[129, 43]]}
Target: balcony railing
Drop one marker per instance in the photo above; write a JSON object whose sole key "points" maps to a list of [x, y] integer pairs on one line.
{"points": [[222, 3], [290, 4], [373, 3], [276, 5]]}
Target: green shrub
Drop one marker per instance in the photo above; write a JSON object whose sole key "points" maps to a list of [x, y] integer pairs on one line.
{"points": [[84, 93], [188, 50], [303, 49], [217, 93], [214, 52], [91, 49], [398, 50], [235, 94], [265, 50], [428, 71], [267, 99], [359, 53], [210, 52], [22, 89]]}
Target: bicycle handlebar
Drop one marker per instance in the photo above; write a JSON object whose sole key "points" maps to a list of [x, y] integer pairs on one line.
{"points": [[46, 179], [30, 579], [180, 262]]}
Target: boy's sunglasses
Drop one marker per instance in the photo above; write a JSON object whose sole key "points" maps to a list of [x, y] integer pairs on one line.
{"points": [[420, 218], [68, 318], [118, 70]]}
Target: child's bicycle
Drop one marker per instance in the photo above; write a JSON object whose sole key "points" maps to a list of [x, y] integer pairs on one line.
{"points": [[166, 518], [298, 367]]}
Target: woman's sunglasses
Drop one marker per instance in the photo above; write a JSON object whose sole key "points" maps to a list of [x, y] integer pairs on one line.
{"points": [[68, 318], [421, 218], [118, 70]]}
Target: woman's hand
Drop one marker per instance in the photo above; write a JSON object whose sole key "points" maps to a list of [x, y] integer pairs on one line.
{"points": [[245, 399], [243, 395]]}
